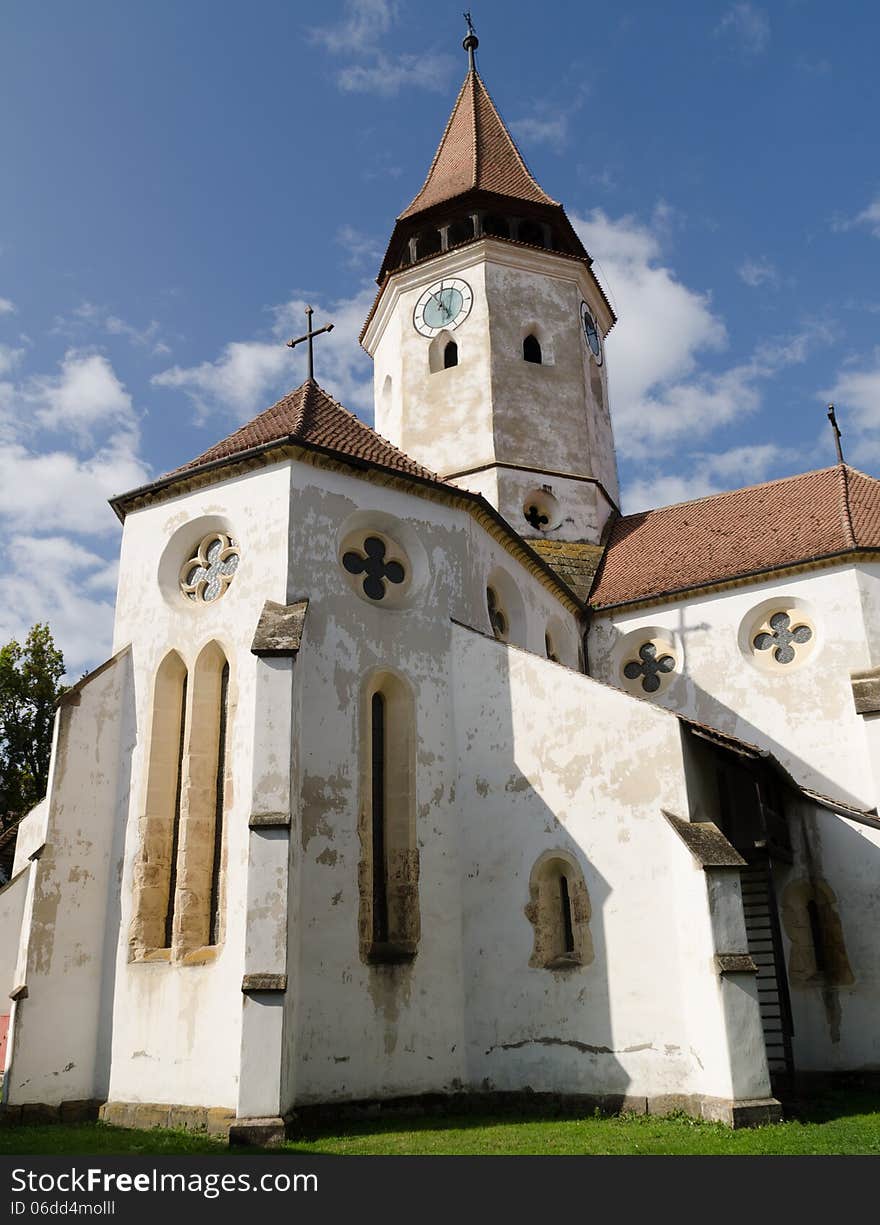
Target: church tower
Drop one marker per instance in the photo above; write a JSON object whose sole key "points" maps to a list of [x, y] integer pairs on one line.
{"points": [[488, 332]]}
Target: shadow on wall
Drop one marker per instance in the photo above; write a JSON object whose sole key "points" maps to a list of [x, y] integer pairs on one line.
{"points": [[537, 1002]]}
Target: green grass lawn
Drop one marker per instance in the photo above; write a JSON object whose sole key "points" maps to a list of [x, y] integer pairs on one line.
{"points": [[842, 1122]]}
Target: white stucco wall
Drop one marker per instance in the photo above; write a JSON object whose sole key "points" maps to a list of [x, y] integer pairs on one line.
{"points": [[550, 759], [168, 1044], [805, 716], [494, 407], [60, 1048], [835, 1025]]}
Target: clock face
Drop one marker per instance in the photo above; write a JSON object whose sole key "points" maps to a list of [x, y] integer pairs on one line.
{"points": [[592, 333], [444, 305]]}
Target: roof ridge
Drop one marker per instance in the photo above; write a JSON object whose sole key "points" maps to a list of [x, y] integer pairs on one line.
{"points": [[847, 512], [366, 426], [726, 493], [522, 161], [439, 149]]}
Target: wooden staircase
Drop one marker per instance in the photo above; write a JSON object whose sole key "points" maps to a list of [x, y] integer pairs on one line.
{"points": [[765, 947]]}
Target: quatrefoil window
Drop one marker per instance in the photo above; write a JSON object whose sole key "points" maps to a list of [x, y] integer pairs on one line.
{"points": [[371, 562], [650, 667], [207, 574], [784, 638]]}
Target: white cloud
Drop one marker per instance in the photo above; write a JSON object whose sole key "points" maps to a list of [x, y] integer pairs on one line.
{"points": [[84, 395], [868, 218], [856, 396], [708, 473], [249, 375], [543, 129], [748, 26], [362, 34], [88, 318], [662, 393], [360, 248], [7, 307], [758, 272]]}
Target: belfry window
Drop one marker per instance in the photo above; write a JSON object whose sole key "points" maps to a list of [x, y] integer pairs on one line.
{"points": [[389, 903], [450, 355], [532, 233], [532, 350]]}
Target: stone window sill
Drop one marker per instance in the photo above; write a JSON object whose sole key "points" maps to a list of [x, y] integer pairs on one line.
{"points": [[565, 961], [391, 952]]}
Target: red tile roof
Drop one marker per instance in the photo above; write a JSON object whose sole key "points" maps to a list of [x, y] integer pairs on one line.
{"points": [[476, 151], [310, 416], [730, 535]]}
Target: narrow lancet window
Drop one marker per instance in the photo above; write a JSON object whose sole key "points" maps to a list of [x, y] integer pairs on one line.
{"points": [[380, 878], [567, 929], [214, 933], [175, 827], [450, 355], [532, 350], [388, 878]]}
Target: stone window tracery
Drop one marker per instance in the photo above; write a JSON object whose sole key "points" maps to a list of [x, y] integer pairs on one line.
{"points": [[783, 638], [649, 668], [371, 561], [205, 576]]}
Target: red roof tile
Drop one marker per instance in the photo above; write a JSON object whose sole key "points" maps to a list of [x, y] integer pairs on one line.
{"points": [[476, 151], [730, 535], [312, 417]]}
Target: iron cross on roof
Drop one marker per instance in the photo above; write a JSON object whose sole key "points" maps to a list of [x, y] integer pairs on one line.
{"points": [[309, 336]]}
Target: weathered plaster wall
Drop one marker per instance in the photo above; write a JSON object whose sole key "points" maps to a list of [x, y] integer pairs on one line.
{"points": [[494, 406], [31, 834], [357, 1030], [804, 716], [60, 1040], [12, 905], [169, 1042], [551, 760], [837, 861]]}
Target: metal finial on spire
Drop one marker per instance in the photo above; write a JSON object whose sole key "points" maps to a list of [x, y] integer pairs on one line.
{"points": [[309, 336], [832, 417], [470, 41]]}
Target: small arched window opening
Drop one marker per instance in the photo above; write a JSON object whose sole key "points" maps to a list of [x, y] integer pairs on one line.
{"points": [[816, 935], [497, 616], [559, 911], [532, 233], [450, 355], [389, 902], [532, 350], [460, 231], [498, 227], [550, 649], [428, 243]]}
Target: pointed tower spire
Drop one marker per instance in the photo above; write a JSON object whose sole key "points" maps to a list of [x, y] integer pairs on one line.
{"points": [[470, 42]]}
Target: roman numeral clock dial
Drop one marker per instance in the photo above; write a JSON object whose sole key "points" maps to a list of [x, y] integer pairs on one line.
{"points": [[443, 307]]}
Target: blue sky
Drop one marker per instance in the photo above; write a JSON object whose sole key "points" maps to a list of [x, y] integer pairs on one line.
{"points": [[182, 178]]}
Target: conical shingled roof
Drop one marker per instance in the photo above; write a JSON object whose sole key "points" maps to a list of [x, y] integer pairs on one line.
{"points": [[311, 417], [717, 539], [476, 152]]}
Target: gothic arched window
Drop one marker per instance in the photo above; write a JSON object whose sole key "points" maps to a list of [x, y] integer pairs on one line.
{"points": [[389, 922], [450, 355], [532, 349], [155, 872]]}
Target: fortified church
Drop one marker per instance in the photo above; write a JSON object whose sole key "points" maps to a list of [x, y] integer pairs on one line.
{"points": [[419, 769]]}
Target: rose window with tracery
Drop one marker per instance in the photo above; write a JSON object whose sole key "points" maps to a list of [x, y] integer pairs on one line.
{"points": [[206, 575]]}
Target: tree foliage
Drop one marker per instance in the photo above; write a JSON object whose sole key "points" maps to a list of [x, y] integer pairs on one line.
{"points": [[30, 685]]}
